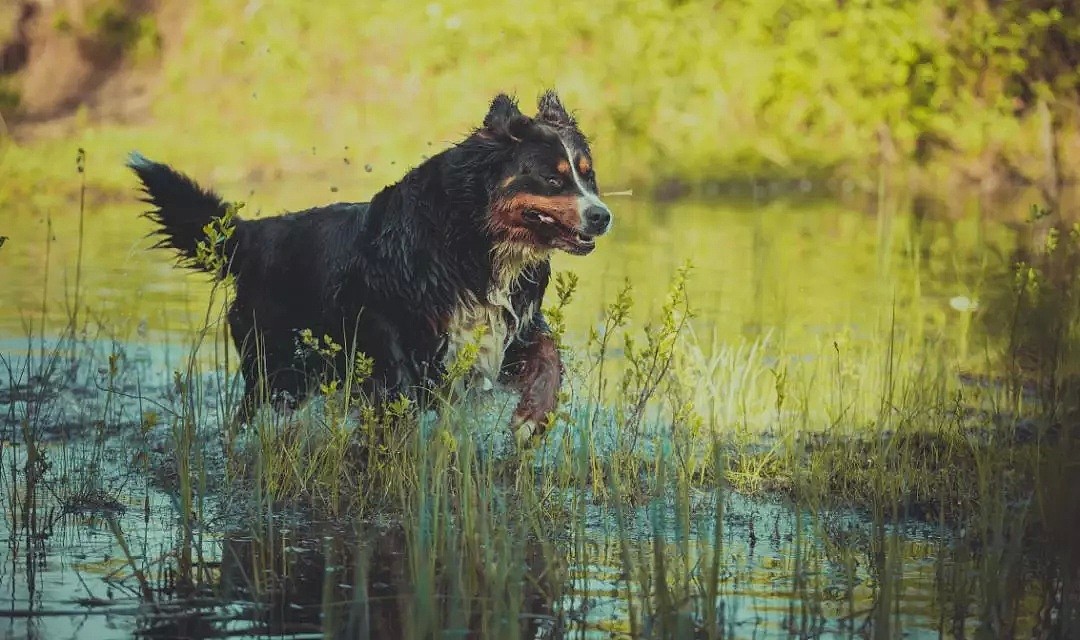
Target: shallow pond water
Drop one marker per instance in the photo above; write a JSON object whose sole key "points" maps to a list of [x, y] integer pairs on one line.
{"points": [[110, 502], [803, 272], [803, 268]]}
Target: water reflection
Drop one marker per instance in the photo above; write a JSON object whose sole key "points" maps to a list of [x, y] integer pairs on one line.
{"points": [[781, 570]]}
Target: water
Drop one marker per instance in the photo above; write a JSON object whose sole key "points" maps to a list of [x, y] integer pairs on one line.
{"points": [[801, 273], [804, 268]]}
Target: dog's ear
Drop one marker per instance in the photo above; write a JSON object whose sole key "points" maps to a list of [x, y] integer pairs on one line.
{"points": [[502, 109], [550, 109], [505, 119]]}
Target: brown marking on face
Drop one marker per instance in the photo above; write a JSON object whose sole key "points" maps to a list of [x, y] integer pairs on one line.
{"points": [[584, 166], [563, 167], [506, 183], [508, 215]]}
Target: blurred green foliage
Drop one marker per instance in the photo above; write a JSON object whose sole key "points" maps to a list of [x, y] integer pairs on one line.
{"points": [[667, 88], [114, 25]]}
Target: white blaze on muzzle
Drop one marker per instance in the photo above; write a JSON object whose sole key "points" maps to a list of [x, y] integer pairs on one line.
{"points": [[586, 198]]}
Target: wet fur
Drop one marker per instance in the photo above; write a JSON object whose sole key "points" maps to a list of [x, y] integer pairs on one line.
{"points": [[392, 278]]}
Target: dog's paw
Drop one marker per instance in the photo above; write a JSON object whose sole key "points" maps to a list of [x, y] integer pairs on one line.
{"points": [[525, 431]]}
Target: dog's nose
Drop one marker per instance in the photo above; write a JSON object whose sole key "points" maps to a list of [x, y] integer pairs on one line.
{"points": [[597, 220]]}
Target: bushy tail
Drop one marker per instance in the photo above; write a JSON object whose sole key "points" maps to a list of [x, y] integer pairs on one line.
{"points": [[182, 208]]}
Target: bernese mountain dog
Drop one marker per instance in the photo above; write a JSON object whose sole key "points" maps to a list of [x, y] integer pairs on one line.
{"points": [[455, 253]]}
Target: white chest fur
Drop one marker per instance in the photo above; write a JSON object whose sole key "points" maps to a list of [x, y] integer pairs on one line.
{"points": [[483, 327], [489, 325]]}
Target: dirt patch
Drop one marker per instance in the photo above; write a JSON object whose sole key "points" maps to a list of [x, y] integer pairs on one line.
{"points": [[96, 58]]}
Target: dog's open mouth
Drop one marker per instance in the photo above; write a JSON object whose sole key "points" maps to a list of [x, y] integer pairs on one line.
{"points": [[566, 238]]}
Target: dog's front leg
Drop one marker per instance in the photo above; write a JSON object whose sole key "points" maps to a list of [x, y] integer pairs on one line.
{"points": [[533, 367]]}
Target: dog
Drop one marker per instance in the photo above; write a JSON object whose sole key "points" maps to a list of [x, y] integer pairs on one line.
{"points": [[455, 253]]}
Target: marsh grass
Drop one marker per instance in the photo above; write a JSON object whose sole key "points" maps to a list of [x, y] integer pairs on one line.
{"points": [[661, 428], [886, 427]]}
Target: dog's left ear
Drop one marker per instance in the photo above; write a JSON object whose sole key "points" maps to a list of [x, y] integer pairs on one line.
{"points": [[550, 109], [505, 119]]}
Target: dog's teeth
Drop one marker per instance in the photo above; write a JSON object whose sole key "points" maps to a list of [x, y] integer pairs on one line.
{"points": [[546, 219]]}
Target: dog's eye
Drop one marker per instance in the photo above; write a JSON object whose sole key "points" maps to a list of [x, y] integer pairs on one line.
{"points": [[555, 182]]}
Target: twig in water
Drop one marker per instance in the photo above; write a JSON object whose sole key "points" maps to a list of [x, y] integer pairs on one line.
{"points": [[114, 526]]}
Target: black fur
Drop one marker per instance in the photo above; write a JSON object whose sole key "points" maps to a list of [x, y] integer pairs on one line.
{"points": [[383, 278], [181, 207]]}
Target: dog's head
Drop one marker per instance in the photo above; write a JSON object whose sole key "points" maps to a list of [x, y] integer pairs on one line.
{"points": [[545, 196]]}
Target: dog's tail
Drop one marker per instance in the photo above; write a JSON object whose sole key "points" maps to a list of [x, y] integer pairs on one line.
{"points": [[184, 210]]}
